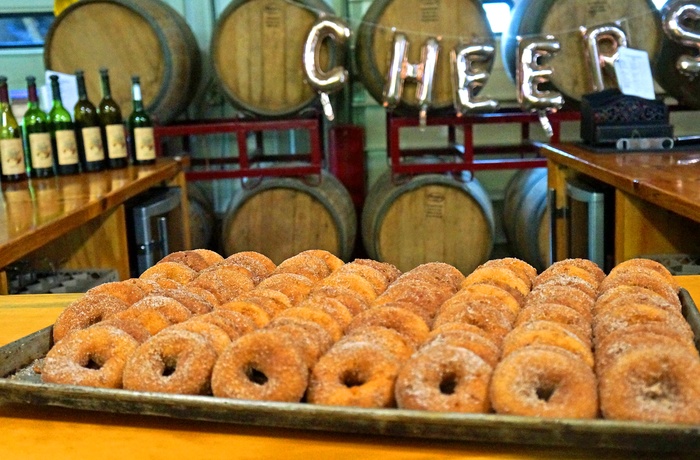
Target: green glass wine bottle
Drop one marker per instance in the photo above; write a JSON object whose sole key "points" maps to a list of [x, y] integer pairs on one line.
{"points": [[36, 129], [11, 150], [113, 125], [140, 126], [88, 129], [65, 145]]}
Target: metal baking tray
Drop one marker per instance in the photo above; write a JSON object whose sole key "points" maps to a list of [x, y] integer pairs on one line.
{"points": [[20, 384]]}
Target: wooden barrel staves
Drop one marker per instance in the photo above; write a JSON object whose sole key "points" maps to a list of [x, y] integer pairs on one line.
{"points": [[427, 218], [525, 216], [283, 216], [453, 22], [129, 37], [257, 49], [563, 18], [202, 217]]}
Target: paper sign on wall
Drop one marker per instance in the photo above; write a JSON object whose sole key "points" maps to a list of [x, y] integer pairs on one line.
{"points": [[633, 73]]}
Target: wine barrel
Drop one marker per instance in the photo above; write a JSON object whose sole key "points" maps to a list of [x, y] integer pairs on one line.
{"points": [[453, 21], [129, 37], [257, 48], [427, 218], [525, 216], [202, 217], [283, 216], [562, 19]]}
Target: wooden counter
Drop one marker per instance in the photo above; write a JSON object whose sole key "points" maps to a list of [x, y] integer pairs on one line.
{"points": [[78, 221], [656, 197], [39, 432]]}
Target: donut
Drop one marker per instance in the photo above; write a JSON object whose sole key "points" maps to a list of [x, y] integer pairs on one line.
{"points": [[374, 276], [636, 294], [544, 382], [654, 382], [352, 281], [93, 357], [501, 277], [568, 281], [442, 377], [439, 273], [645, 264], [250, 309], [310, 338], [150, 318], [568, 271], [390, 272], [191, 259], [586, 264], [193, 301], [127, 290], [234, 324], [522, 269], [264, 366], [403, 321], [217, 337], [357, 373], [203, 293], [469, 296], [312, 267], [169, 274], [352, 300], [547, 333], [644, 278], [295, 287], [84, 312], [501, 297], [225, 281], [173, 310], [172, 361], [390, 339], [266, 262], [333, 307], [129, 325], [211, 257], [477, 342], [561, 314], [332, 261], [572, 298], [258, 270], [627, 314], [426, 295], [270, 300], [478, 313], [319, 317]]}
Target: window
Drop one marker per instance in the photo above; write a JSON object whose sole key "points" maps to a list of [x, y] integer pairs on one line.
{"points": [[22, 30]]}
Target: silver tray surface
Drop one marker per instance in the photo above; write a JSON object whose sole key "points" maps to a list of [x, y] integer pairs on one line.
{"points": [[20, 384]]}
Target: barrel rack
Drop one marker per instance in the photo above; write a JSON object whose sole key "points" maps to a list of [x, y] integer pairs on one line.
{"points": [[464, 154]]}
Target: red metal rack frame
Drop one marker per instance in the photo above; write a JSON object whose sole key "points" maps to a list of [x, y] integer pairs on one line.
{"points": [[304, 163], [464, 154]]}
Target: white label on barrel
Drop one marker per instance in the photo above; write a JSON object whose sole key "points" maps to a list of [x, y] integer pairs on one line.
{"points": [[429, 10], [434, 205]]}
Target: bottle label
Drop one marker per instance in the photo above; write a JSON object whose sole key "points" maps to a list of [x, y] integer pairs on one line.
{"points": [[116, 142], [145, 144], [66, 147], [40, 148], [12, 154], [92, 143]]}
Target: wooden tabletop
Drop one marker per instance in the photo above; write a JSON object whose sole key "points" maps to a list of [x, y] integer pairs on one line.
{"points": [[669, 179], [42, 432], [37, 211]]}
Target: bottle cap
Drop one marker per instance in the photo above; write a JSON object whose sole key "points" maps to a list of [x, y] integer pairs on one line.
{"points": [[135, 79], [30, 79], [79, 73], [104, 71], [3, 79]]}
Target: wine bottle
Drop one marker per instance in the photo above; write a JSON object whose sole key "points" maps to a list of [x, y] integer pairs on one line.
{"points": [[36, 128], [63, 139], [11, 151], [141, 139], [111, 119], [88, 128]]}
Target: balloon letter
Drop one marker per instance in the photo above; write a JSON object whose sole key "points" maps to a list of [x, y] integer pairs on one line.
{"points": [[468, 80]]}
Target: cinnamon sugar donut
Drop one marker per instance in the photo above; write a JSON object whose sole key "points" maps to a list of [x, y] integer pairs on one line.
{"points": [[627, 314], [311, 339], [225, 281], [264, 366], [477, 342], [211, 257], [234, 324], [391, 340], [572, 298], [403, 321], [586, 264], [217, 337], [645, 264], [84, 312], [333, 307], [172, 361], [644, 278], [499, 295], [359, 374], [440, 274], [128, 325], [442, 377], [502, 277], [561, 314], [374, 276], [93, 357], [248, 255], [425, 294], [173, 310], [568, 271], [390, 272], [312, 267], [332, 261], [352, 300], [544, 382], [295, 287], [319, 317], [193, 301], [169, 274], [127, 290], [568, 281], [250, 309], [478, 313], [258, 265], [191, 259], [150, 318], [522, 269], [636, 294], [203, 293], [270, 300], [547, 333], [353, 282], [652, 382], [469, 296]]}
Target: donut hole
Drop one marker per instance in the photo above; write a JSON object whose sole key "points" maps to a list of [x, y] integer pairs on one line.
{"points": [[353, 378], [93, 362], [169, 367], [545, 392], [659, 390], [256, 376], [448, 383]]}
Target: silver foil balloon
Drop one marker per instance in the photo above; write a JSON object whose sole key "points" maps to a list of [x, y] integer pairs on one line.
{"points": [[469, 75], [674, 17], [593, 37], [401, 70], [322, 81]]}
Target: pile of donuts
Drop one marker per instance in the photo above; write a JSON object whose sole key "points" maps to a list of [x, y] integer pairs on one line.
{"points": [[568, 342]]}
